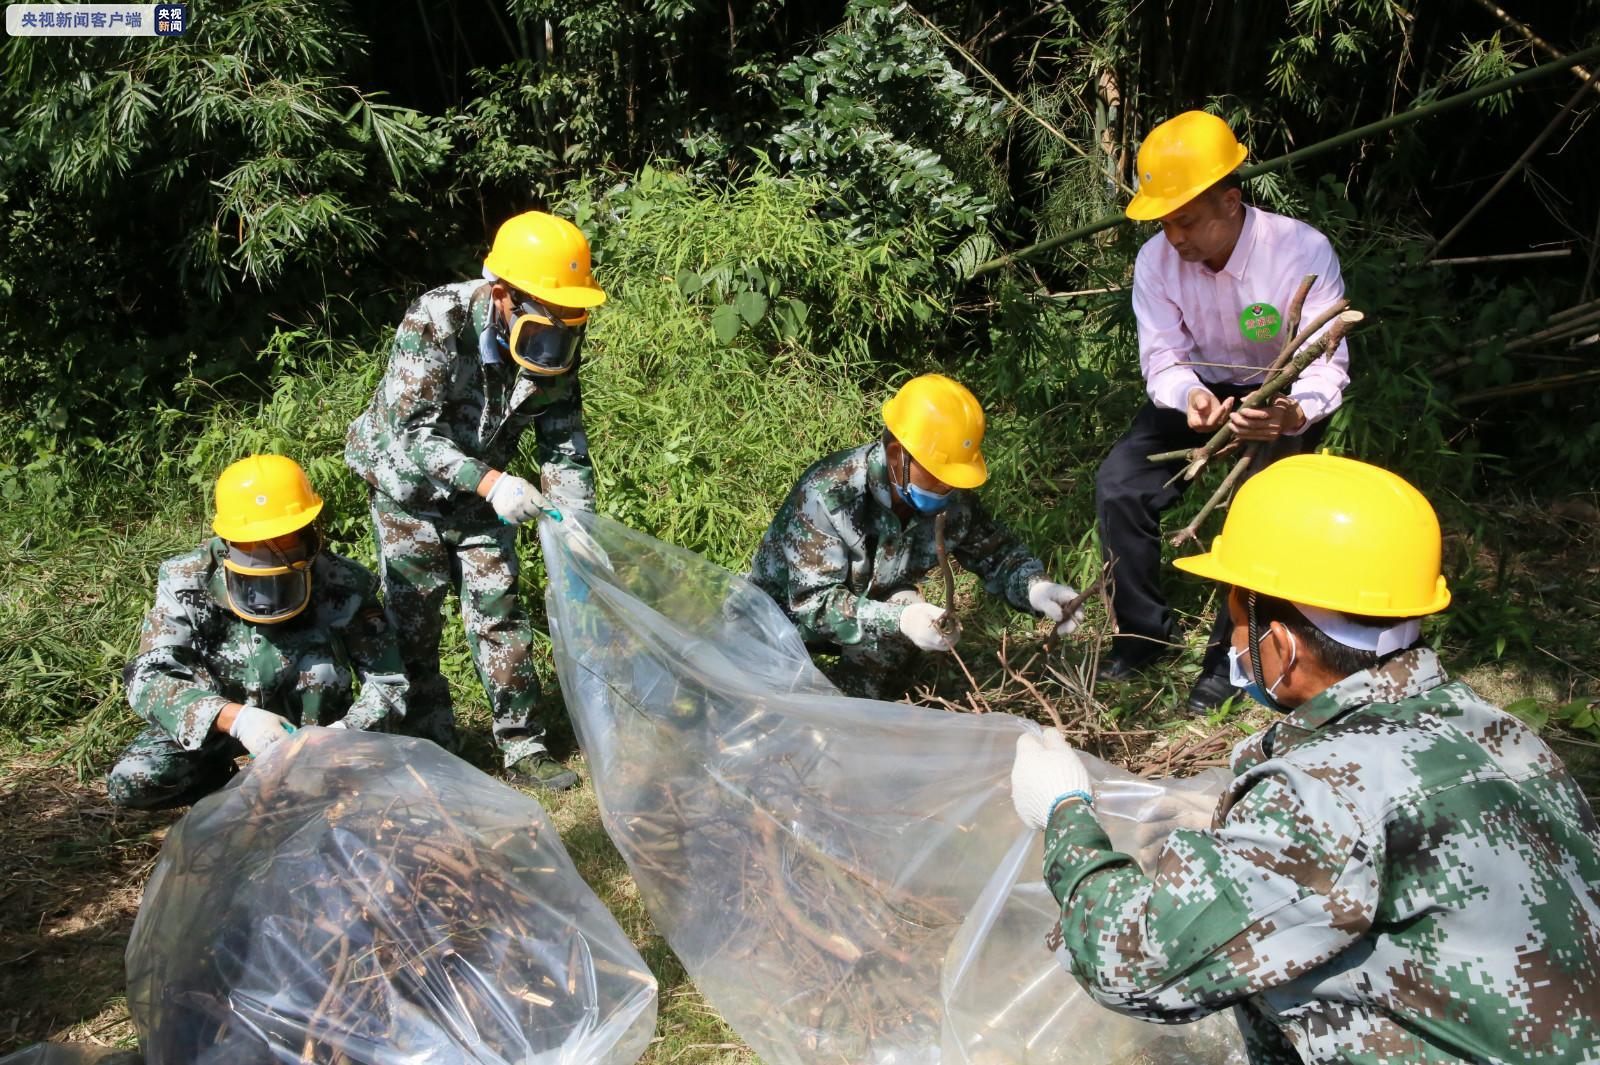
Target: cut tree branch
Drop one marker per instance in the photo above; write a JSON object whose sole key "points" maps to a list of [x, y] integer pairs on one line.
{"points": [[1198, 457]]}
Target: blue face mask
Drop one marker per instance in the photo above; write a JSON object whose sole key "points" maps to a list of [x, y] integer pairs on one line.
{"points": [[1265, 696], [924, 501], [921, 499]]}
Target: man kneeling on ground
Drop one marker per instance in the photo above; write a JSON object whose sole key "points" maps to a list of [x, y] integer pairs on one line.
{"points": [[258, 631], [845, 553]]}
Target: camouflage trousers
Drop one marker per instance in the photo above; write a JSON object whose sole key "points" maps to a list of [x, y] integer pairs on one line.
{"points": [[155, 772], [420, 559], [874, 669]]}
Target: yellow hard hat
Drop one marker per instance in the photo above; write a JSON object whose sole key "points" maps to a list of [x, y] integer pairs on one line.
{"points": [[1180, 159], [264, 496], [546, 257], [940, 424], [1334, 533]]}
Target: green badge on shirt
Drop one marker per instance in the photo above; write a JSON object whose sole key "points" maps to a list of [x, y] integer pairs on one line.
{"points": [[1260, 321]]}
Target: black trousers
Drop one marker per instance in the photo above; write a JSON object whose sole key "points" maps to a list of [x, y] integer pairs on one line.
{"points": [[1130, 495]]}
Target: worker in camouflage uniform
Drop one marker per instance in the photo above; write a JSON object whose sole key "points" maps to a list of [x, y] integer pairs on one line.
{"points": [[258, 631], [850, 544], [473, 365], [1399, 872]]}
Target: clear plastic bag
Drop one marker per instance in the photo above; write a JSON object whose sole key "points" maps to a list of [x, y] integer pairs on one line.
{"points": [[844, 879], [372, 900], [70, 1054]]}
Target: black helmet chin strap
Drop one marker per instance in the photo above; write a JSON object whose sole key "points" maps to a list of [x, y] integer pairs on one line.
{"points": [[1254, 630]]}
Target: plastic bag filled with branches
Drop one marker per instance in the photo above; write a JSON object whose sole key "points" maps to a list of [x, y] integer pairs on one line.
{"points": [[844, 879], [70, 1054], [362, 899]]}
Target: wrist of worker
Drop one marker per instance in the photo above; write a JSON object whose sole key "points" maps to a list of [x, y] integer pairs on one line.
{"points": [[225, 719], [486, 485], [1076, 847], [1299, 417]]}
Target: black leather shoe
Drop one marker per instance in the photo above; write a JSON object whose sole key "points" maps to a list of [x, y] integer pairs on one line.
{"points": [[1208, 693], [1119, 669]]}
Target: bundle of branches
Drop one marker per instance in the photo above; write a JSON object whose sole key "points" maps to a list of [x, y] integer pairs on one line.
{"points": [[1037, 684], [853, 952], [368, 902], [1299, 350]]}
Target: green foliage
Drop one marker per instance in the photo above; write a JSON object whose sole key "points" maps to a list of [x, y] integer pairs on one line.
{"points": [[1581, 716], [237, 161], [878, 111], [741, 341]]}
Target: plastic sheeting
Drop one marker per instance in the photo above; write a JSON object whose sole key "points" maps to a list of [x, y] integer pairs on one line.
{"points": [[372, 900], [70, 1054], [845, 880]]}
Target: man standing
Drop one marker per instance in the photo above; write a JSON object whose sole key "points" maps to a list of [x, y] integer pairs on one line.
{"points": [[473, 365], [1210, 293], [846, 551], [1399, 872], [258, 631]]}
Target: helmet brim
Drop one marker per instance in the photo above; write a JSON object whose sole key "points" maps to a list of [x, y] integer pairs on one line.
{"points": [[578, 296], [1145, 207], [1211, 566], [956, 474], [242, 532]]}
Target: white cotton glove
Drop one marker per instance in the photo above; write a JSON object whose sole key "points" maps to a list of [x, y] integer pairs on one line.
{"points": [[259, 729], [906, 597], [920, 623], [1051, 599], [1045, 770], [339, 724], [516, 500]]}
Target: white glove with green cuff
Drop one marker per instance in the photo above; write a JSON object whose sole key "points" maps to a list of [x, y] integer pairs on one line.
{"points": [[1046, 771], [259, 729]]}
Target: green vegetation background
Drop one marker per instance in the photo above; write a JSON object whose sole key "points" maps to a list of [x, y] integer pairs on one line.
{"points": [[207, 244]]}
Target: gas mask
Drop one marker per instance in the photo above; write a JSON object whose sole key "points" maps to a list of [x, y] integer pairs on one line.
{"points": [[538, 339], [267, 584]]}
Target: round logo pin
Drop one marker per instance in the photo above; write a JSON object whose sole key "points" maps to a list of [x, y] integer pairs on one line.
{"points": [[1260, 321]]}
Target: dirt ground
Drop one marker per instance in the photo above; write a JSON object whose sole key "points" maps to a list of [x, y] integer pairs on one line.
{"points": [[71, 873]]}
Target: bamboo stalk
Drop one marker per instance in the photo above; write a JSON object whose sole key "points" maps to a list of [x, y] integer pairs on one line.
{"points": [[1528, 388], [1516, 167], [1537, 41], [1383, 125], [1016, 101], [1509, 257]]}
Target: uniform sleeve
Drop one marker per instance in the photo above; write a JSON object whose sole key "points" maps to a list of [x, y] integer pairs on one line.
{"points": [[1285, 883], [988, 549], [1165, 344], [563, 447], [817, 597], [168, 684], [375, 657], [415, 386], [1320, 387]]}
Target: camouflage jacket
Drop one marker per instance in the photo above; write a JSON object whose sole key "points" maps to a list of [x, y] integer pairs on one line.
{"points": [[837, 550], [1399, 872], [196, 655], [443, 416]]}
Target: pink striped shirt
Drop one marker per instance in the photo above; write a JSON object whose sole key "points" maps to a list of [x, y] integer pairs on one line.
{"points": [[1196, 324]]}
